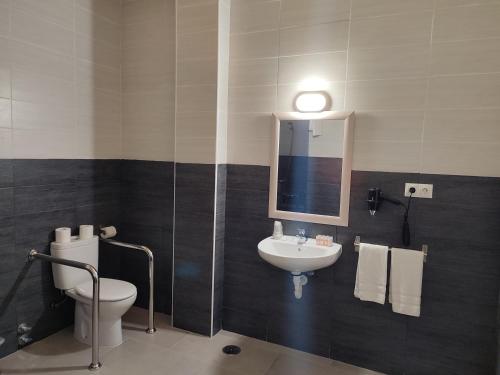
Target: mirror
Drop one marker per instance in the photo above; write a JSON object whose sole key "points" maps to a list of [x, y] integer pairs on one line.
{"points": [[311, 170]]}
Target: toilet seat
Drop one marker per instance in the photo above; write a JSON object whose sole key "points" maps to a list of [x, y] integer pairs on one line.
{"points": [[110, 290]]}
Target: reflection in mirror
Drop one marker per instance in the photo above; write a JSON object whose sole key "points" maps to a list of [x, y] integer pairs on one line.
{"points": [[310, 166]]}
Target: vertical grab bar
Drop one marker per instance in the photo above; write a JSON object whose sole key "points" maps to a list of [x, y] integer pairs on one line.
{"points": [[151, 319], [33, 254]]}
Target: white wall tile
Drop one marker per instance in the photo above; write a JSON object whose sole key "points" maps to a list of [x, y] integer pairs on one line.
{"points": [[392, 30], [142, 11], [389, 62], [57, 11], [5, 113], [254, 45], [196, 98], [5, 143], [197, 19], [201, 72], [250, 126], [95, 102], [40, 116], [371, 8], [471, 125], [393, 126], [41, 61], [327, 67], [43, 144], [471, 159], [4, 20], [98, 52], [97, 27], [5, 81], [252, 99], [197, 46], [195, 150], [469, 56], [29, 28], [396, 94], [98, 143], [327, 37], [470, 91], [386, 156], [201, 124], [253, 72], [253, 152], [110, 9], [144, 103], [31, 87], [454, 3], [473, 22], [98, 77], [150, 139], [254, 16], [313, 12], [157, 30]]}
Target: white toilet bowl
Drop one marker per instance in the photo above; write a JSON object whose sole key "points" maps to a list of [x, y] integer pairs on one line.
{"points": [[115, 298]]}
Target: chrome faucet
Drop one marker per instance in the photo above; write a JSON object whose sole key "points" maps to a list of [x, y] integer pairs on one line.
{"points": [[301, 236]]}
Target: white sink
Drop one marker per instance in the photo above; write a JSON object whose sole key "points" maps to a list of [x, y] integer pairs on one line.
{"points": [[288, 255]]}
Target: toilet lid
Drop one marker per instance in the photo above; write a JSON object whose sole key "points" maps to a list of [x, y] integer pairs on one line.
{"points": [[109, 290]]}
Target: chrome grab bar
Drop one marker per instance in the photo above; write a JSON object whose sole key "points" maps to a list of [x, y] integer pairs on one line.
{"points": [[151, 320], [33, 254]]}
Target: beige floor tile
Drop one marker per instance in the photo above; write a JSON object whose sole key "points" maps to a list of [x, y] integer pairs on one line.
{"points": [[292, 365], [169, 351]]}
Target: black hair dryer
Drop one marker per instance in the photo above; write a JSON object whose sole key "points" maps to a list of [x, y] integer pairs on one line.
{"points": [[374, 200]]}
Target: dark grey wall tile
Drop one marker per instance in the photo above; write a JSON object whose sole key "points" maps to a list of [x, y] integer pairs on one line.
{"points": [[6, 202], [30, 172], [91, 193], [37, 196], [247, 177], [6, 230], [95, 171], [34, 199], [245, 323], [6, 173], [39, 227], [460, 286]]}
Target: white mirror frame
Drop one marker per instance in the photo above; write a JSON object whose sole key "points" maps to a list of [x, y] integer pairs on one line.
{"points": [[345, 187]]}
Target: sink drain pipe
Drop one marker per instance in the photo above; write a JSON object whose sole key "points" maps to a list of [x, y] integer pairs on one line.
{"points": [[299, 280]]}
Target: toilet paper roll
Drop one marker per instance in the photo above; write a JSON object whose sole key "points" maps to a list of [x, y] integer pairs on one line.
{"points": [[108, 232], [86, 232], [63, 235]]}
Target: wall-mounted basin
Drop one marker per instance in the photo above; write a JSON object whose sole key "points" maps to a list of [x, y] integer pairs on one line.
{"points": [[286, 253]]}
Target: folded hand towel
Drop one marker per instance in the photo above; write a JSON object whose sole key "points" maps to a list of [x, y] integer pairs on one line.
{"points": [[405, 288], [371, 275]]}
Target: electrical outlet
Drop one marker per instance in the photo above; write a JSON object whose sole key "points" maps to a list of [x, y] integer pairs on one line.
{"points": [[425, 191], [410, 185], [421, 190]]}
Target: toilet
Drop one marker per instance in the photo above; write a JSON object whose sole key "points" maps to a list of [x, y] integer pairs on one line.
{"points": [[115, 296]]}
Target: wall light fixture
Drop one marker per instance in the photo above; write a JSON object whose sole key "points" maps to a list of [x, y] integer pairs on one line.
{"points": [[312, 101]]}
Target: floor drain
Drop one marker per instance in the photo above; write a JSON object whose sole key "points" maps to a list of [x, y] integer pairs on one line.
{"points": [[231, 350]]}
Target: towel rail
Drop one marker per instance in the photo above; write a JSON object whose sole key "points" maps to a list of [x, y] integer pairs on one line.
{"points": [[357, 243]]}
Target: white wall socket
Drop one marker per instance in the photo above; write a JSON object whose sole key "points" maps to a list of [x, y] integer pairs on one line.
{"points": [[421, 190]]}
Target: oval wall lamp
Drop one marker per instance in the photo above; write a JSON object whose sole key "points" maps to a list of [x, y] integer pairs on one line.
{"points": [[312, 101]]}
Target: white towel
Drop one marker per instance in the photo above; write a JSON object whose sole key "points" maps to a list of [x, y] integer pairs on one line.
{"points": [[371, 275], [405, 288]]}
